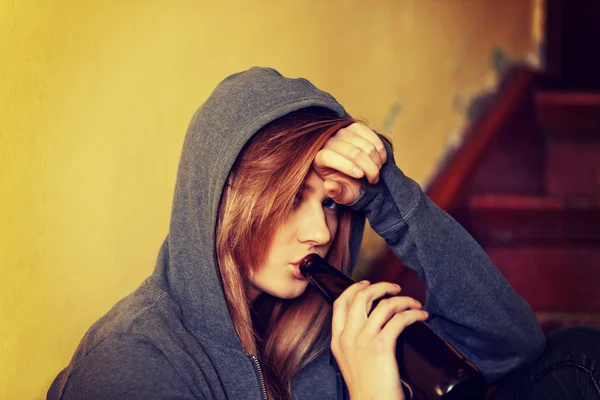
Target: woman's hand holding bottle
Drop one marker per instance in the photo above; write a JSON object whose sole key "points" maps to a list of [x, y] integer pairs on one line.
{"points": [[364, 344]]}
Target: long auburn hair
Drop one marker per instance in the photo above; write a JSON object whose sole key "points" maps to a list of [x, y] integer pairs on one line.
{"points": [[258, 197]]}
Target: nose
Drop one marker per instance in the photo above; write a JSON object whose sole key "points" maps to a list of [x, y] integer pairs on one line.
{"points": [[313, 228]]}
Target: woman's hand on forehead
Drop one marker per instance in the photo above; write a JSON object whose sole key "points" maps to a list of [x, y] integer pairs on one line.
{"points": [[349, 155]]}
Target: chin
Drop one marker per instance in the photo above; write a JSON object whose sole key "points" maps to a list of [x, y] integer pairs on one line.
{"points": [[292, 292]]}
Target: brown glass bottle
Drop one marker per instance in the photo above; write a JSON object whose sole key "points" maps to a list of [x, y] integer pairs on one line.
{"points": [[429, 366]]}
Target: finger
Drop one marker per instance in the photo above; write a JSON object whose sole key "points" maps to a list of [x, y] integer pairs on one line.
{"points": [[340, 308], [359, 141], [348, 148], [398, 322], [362, 302], [366, 146], [334, 190], [368, 134], [327, 158], [341, 192], [385, 310]]}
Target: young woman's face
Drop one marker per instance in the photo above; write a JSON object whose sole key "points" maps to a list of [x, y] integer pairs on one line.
{"points": [[310, 229]]}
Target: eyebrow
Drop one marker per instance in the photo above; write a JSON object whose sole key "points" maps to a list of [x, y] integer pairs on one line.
{"points": [[307, 187]]}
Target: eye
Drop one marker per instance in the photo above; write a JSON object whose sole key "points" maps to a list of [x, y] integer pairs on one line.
{"points": [[330, 204], [297, 200]]}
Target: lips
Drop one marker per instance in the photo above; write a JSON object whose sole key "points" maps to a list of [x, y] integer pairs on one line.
{"points": [[298, 261], [297, 274], [296, 266]]}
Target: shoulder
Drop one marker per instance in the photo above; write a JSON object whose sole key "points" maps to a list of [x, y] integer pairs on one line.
{"points": [[146, 315], [131, 352], [124, 365]]}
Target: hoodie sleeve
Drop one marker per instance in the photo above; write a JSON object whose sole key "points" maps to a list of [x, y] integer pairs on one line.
{"points": [[470, 303], [123, 367]]}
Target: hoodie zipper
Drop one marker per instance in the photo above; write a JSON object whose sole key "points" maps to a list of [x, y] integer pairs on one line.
{"points": [[260, 376]]}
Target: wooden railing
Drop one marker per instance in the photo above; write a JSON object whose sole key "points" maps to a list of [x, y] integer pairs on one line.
{"points": [[447, 183]]}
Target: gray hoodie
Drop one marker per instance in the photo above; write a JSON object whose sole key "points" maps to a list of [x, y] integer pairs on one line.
{"points": [[173, 337]]}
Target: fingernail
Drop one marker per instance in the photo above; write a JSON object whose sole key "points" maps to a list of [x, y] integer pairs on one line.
{"points": [[396, 286], [357, 172], [364, 282]]}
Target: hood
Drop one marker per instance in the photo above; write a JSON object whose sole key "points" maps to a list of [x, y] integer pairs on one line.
{"points": [[187, 264]]}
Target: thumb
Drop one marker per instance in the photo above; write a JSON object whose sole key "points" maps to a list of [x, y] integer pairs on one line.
{"points": [[335, 190]]}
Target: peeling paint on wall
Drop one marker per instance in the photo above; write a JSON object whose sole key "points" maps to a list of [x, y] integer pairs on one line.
{"points": [[391, 116]]}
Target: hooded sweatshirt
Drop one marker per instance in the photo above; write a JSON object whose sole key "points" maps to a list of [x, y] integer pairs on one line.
{"points": [[173, 337]]}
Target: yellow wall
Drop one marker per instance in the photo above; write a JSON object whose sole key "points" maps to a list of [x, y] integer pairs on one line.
{"points": [[95, 98]]}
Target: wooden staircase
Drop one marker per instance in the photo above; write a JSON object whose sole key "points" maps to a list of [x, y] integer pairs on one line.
{"points": [[526, 180], [547, 244], [526, 185]]}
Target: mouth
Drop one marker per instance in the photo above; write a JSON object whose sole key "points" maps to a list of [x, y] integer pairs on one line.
{"points": [[298, 261], [296, 271], [296, 268]]}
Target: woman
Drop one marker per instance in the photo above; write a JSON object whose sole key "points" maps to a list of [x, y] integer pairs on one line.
{"points": [[273, 169]]}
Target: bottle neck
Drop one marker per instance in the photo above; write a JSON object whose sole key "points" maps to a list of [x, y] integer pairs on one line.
{"points": [[328, 280]]}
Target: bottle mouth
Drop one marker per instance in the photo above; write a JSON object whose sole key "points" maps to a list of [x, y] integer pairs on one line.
{"points": [[307, 262]]}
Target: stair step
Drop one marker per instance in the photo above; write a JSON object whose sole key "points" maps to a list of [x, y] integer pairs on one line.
{"points": [[511, 220], [551, 321], [569, 115], [552, 279], [572, 168]]}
